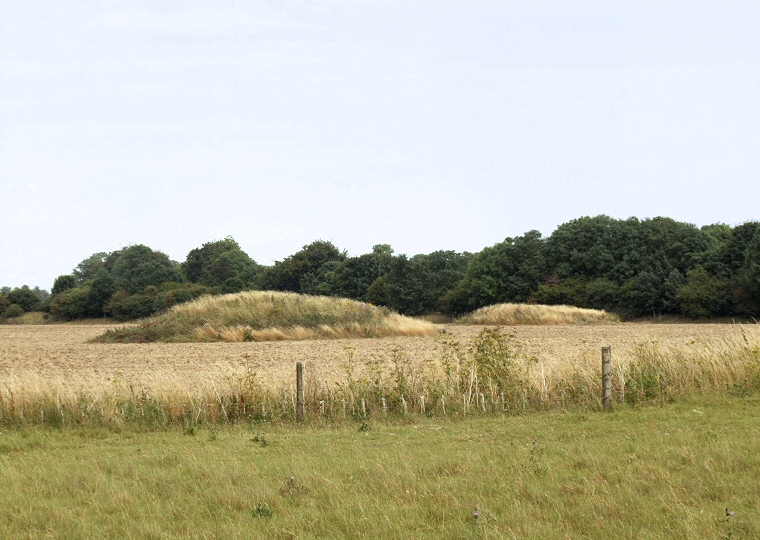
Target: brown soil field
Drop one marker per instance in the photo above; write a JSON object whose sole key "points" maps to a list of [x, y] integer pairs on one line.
{"points": [[57, 360]]}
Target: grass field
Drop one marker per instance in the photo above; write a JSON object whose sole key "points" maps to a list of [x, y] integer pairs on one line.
{"points": [[636, 473]]}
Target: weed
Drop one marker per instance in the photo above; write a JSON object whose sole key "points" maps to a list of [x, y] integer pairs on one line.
{"points": [[261, 440], [262, 510]]}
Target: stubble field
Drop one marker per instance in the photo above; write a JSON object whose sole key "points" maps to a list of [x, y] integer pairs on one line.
{"points": [[57, 359]]}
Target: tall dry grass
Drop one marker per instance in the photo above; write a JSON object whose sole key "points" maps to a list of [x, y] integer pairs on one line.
{"points": [[270, 316], [513, 314]]}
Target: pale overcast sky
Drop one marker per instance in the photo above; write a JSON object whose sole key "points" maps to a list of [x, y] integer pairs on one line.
{"points": [[424, 125]]}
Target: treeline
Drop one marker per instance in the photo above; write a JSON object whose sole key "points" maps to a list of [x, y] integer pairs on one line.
{"points": [[632, 267]]}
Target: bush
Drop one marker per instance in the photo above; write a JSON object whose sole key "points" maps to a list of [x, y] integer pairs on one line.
{"points": [[71, 304], [567, 292], [178, 293], [24, 297], [131, 307], [14, 310]]}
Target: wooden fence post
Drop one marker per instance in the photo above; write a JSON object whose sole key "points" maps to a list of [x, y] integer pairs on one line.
{"points": [[607, 378], [299, 392]]}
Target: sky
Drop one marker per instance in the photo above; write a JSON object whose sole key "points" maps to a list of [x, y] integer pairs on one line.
{"points": [[425, 125]]}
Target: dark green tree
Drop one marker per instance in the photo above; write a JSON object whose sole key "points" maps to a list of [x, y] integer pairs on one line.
{"points": [[102, 288], [642, 295], [63, 283], [602, 293], [136, 267], [215, 262], [507, 272], [748, 295], [353, 276], [555, 291], [703, 295], [87, 269], [403, 287], [286, 275], [439, 272], [24, 296], [71, 304]]}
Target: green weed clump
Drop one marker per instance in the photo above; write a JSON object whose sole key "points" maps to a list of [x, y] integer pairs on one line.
{"points": [[268, 316]]}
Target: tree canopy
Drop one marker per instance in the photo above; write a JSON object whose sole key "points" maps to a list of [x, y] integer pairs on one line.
{"points": [[633, 267]]}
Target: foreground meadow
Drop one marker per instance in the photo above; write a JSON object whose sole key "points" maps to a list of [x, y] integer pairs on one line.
{"points": [[642, 472]]}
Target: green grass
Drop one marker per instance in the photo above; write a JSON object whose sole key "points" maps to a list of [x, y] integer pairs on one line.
{"points": [[644, 472]]}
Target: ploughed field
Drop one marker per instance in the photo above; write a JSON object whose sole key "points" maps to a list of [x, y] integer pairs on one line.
{"points": [[58, 360]]}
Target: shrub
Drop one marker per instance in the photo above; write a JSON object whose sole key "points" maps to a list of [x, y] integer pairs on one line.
{"points": [[71, 304], [14, 310], [135, 306], [24, 297]]}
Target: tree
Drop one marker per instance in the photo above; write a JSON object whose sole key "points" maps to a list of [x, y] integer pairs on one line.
{"points": [[602, 293], [71, 304], [591, 248], [507, 272], [286, 275], [403, 287], [136, 267], [25, 298], [102, 288], [555, 291], [749, 293], [63, 283], [353, 276], [233, 264], [215, 262], [642, 295], [87, 269], [702, 295], [439, 272]]}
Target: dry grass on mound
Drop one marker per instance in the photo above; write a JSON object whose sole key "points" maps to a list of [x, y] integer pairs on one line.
{"points": [[514, 314], [31, 318], [269, 316]]}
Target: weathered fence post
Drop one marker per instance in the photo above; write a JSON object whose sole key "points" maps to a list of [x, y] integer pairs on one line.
{"points": [[607, 378], [299, 392]]}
